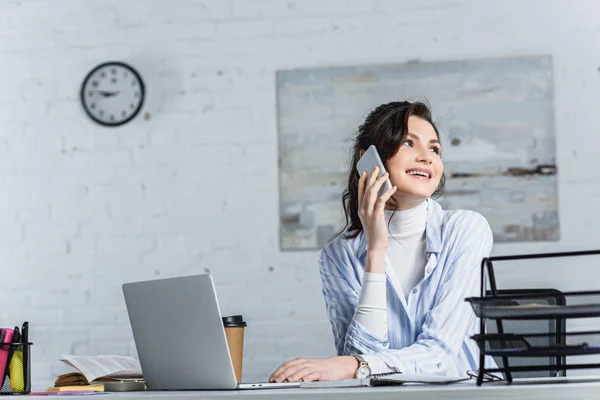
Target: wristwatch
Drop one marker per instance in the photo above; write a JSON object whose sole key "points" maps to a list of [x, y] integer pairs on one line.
{"points": [[363, 371]]}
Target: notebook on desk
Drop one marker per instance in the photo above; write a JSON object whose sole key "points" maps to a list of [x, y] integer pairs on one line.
{"points": [[389, 379]]}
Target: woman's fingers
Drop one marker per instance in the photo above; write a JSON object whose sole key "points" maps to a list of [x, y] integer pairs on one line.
{"points": [[275, 375], [380, 204], [315, 376], [290, 373], [363, 188], [299, 374], [380, 181], [373, 193], [281, 375], [373, 176]]}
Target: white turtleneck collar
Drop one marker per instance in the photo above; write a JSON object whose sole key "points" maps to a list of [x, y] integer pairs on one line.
{"points": [[407, 223]]}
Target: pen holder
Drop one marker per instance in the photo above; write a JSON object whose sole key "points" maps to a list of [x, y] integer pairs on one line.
{"points": [[15, 361]]}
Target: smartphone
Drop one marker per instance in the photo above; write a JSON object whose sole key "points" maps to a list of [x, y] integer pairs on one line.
{"points": [[367, 163]]}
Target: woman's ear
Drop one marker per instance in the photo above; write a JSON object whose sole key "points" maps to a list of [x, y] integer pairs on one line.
{"points": [[361, 153]]}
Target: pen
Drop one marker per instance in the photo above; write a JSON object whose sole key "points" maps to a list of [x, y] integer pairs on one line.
{"points": [[25, 348], [17, 381], [25, 332]]}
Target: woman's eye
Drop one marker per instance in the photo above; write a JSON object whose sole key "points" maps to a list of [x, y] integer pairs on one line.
{"points": [[408, 143], [436, 150]]}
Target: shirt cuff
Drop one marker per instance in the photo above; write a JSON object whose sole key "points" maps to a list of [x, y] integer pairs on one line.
{"points": [[377, 365], [361, 341]]}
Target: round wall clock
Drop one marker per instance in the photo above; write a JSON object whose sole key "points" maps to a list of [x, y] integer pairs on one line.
{"points": [[112, 94]]}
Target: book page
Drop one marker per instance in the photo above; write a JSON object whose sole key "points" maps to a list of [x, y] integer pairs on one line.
{"points": [[94, 367]]}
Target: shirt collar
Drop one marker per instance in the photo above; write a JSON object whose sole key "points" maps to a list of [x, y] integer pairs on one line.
{"points": [[433, 230]]}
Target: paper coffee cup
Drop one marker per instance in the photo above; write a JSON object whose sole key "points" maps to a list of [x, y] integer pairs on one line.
{"points": [[234, 331]]}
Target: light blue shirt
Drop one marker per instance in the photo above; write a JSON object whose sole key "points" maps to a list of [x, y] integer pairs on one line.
{"points": [[429, 330]]}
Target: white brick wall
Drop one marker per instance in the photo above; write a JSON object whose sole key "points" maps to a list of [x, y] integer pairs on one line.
{"points": [[194, 188]]}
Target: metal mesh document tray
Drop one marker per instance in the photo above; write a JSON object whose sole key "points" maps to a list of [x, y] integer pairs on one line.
{"points": [[527, 306], [525, 330]]}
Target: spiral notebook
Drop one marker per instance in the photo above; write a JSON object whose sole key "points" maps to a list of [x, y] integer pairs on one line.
{"points": [[389, 379]]}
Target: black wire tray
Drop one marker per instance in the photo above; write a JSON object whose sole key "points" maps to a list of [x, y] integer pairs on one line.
{"points": [[539, 345], [576, 305], [506, 312]]}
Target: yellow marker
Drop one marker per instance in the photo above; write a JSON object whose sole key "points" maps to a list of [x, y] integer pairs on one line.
{"points": [[17, 381]]}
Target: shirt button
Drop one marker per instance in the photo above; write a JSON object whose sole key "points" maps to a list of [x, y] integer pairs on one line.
{"points": [[439, 365], [428, 270], [415, 290]]}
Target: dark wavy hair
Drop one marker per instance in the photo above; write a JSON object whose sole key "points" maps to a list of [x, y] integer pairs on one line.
{"points": [[385, 127]]}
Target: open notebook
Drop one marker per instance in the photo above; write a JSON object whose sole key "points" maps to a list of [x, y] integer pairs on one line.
{"points": [[387, 380]]}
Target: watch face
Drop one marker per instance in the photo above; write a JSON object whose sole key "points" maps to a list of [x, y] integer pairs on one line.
{"points": [[112, 93], [363, 372]]}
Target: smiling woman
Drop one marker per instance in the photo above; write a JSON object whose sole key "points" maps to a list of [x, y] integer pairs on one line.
{"points": [[398, 305]]}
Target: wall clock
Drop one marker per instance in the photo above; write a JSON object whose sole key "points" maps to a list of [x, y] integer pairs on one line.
{"points": [[112, 94]]}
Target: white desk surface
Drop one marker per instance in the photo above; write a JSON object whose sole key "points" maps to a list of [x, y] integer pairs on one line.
{"points": [[530, 389]]}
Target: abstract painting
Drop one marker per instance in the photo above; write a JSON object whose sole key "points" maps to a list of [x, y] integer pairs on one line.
{"points": [[496, 122]]}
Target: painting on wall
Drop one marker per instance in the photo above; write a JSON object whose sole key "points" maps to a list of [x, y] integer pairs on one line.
{"points": [[496, 122]]}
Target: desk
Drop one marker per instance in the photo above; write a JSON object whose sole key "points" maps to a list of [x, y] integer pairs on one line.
{"points": [[526, 389]]}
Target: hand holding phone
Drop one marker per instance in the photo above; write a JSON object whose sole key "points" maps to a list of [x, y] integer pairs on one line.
{"points": [[374, 190], [368, 162]]}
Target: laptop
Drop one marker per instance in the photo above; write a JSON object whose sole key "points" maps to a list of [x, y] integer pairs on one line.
{"points": [[179, 335]]}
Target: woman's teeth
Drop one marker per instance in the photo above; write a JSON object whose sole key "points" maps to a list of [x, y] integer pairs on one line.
{"points": [[421, 173]]}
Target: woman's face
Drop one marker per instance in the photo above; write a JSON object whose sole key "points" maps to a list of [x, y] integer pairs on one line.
{"points": [[416, 168]]}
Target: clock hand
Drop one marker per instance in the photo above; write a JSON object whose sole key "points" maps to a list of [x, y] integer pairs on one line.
{"points": [[104, 93]]}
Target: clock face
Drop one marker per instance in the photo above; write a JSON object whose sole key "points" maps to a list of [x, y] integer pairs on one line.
{"points": [[112, 93]]}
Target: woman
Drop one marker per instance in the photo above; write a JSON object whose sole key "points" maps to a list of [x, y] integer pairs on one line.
{"points": [[395, 281]]}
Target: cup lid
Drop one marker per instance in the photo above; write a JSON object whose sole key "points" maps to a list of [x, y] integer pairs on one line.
{"points": [[234, 320]]}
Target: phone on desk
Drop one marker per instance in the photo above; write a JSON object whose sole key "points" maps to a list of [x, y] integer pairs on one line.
{"points": [[367, 163]]}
